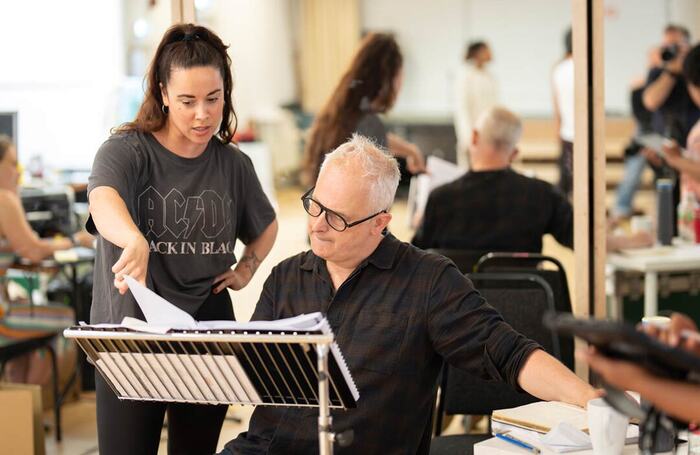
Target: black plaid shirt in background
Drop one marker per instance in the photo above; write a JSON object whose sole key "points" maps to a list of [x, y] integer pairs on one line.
{"points": [[495, 211], [399, 314]]}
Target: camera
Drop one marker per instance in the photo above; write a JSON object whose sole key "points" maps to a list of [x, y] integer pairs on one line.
{"points": [[668, 53]]}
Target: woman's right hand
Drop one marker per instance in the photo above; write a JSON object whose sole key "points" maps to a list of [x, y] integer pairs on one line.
{"points": [[133, 262]]}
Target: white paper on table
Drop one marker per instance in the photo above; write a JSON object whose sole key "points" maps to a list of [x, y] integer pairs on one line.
{"points": [[561, 439]]}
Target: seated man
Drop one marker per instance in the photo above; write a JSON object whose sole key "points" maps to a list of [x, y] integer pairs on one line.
{"points": [[397, 313], [493, 207]]}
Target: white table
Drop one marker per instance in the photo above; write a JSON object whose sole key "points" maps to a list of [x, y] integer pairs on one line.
{"points": [[651, 261], [495, 446]]}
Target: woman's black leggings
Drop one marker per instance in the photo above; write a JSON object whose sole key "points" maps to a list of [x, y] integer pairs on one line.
{"points": [[132, 427]]}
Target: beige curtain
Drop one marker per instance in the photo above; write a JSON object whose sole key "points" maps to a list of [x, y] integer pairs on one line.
{"points": [[329, 35]]}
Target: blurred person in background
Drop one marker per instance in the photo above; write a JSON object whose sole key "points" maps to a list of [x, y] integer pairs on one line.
{"points": [[18, 239], [563, 102], [492, 207], [476, 91], [636, 154], [666, 92], [369, 87], [666, 95], [687, 161], [16, 235]]}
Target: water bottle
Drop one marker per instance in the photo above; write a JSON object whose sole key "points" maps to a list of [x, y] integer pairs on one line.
{"points": [[664, 210]]}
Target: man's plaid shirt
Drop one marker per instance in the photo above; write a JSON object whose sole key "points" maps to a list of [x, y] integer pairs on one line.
{"points": [[495, 211], [396, 318]]}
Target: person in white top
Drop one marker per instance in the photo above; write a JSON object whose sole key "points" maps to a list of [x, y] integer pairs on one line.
{"points": [[476, 91], [563, 97]]}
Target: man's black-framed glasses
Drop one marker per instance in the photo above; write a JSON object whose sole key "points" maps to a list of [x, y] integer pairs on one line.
{"points": [[334, 219]]}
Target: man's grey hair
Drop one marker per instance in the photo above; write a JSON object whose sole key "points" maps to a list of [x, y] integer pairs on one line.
{"points": [[500, 127], [380, 171]]}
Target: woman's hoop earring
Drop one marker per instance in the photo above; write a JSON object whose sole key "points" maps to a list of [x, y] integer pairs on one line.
{"points": [[165, 109]]}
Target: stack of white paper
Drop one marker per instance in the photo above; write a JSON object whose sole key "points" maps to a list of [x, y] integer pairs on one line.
{"points": [[162, 316], [439, 172], [562, 438], [194, 378]]}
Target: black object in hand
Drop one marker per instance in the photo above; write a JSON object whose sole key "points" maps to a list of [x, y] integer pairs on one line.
{"points": [[668, 53]]}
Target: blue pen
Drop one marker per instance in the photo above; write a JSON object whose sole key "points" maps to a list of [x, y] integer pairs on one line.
{"points": [[515, 441]]}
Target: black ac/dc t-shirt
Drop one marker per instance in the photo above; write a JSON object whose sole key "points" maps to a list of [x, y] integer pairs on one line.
{"points": [[190, 210]]}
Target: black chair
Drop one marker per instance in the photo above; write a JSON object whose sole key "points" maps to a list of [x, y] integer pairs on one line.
{"points": [[522, 299], [532, 263], [465, 260]]}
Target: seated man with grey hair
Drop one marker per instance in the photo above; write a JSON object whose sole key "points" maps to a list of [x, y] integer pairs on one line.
{"points": [[492, 207], [397, 312]]}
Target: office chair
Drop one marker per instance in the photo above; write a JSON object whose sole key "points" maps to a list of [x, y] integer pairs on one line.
{"points": [[522, 299], [530, 263], [465, 260]]}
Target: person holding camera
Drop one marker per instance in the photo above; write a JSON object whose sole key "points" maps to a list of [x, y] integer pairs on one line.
{"points": [[666, 92], [688, 162], [666, 96]]}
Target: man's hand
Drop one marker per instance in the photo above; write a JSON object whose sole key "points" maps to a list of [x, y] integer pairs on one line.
{"points": [[676, 65], [133, 262]]}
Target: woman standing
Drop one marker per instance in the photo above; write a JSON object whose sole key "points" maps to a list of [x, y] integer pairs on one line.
{"points": [[369, 87], [169, 195]]}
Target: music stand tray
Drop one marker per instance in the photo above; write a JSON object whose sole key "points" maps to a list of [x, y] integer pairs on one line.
{"points": [[260, 364]]}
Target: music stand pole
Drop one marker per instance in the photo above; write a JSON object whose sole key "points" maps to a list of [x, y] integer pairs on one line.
{"points": [[325, 436]]}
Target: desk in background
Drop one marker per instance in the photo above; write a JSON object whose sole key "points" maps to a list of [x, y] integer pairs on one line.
{"points": [[18, 341], [81, 308], [49, 210], [682, 258]]}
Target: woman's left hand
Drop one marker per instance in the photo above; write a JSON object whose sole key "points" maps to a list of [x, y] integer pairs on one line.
{"points": [[415, 163], [235, 279]]}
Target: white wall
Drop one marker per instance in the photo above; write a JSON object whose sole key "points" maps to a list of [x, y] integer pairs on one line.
{"points": [[59, 69], [526, 39], [260, 38], [630, 32], [64, 68], [64, 61]]}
